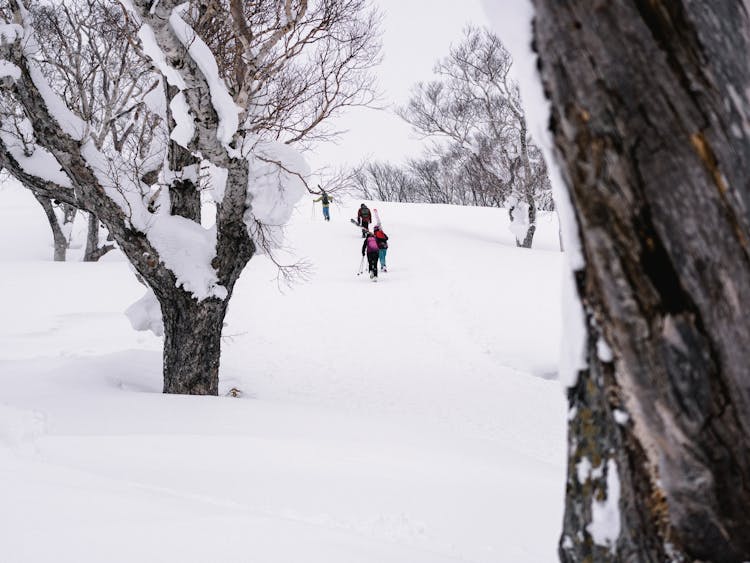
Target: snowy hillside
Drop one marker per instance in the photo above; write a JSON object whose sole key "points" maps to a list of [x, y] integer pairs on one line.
{"points": [[416, 419]]}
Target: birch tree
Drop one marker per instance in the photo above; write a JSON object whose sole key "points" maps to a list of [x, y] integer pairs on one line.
{"points": [[146, 190], [475, 107]]}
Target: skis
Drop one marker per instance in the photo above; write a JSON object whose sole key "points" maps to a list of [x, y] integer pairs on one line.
{"points": [[375, 219], [360, 226]]}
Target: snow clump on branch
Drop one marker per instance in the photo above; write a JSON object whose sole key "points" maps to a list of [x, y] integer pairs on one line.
{"points": [[276, 182]]}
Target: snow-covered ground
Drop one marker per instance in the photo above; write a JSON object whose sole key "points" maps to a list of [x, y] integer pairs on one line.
{"points": [[412, 420]]}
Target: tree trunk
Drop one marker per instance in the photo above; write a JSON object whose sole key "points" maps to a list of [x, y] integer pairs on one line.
{"points": [[529, 238], [650, 122], [93, 251], [60, 241], [192, 343], [528, 185]]}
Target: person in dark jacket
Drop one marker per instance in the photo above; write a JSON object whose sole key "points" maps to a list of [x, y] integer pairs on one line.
{"points": [[382, 239], [363, 218], [370, 246]]}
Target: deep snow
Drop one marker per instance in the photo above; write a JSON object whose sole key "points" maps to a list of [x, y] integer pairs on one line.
{"points": [[412, 420]]}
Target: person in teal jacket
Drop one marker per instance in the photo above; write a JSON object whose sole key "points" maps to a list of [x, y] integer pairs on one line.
{"points": [[325, 199], [382, 239]]}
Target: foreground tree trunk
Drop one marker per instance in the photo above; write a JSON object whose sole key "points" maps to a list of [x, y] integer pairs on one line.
{"points": [[650, 118], [192, 343]]}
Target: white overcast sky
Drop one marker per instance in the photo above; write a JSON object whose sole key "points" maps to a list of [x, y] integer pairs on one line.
{"points": [[416, 33]]}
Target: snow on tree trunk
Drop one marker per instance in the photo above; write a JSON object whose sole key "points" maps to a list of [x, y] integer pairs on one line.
{"points": [[650, 118]]}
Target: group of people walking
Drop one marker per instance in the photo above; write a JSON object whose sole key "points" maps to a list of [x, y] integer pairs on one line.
{"points": [[375, 245]]}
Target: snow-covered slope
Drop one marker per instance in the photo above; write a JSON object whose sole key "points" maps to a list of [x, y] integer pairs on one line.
{"points": [[416, 419]]}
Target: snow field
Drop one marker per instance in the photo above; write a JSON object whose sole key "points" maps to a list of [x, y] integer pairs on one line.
{"points": [[415, 419]]}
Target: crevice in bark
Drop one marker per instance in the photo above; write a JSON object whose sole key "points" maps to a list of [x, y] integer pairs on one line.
{"points": [[654, 261]]}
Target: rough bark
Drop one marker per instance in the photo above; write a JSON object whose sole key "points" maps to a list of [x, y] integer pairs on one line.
{"points": [[650, 121], [192, 343]]}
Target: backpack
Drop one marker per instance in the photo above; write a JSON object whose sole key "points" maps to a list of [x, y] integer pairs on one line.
{"points": [[325, 199], [365, 213], [382, 239], [372, 244]]}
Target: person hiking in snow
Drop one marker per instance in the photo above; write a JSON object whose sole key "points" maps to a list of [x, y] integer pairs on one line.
{"points": [[382, 239], [363, 218], [326, 200], [370, 246]]}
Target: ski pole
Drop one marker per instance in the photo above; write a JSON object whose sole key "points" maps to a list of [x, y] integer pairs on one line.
{"points": [[361, 265]]}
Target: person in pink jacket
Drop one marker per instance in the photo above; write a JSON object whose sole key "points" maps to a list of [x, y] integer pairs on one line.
{"points": [[370, 246]]}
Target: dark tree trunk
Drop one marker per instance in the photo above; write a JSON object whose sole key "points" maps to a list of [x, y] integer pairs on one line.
{"points": [[192, 329], [529, 238], [651, 123], [192, 343], [93, 251]]}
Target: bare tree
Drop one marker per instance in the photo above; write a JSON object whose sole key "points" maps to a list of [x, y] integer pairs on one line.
{"points": [[288, 96], [474, 108], [383, 182], [146, 189], [85, 55], [18, 148], [650, 122]]}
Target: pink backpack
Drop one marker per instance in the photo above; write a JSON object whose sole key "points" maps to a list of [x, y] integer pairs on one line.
{"points": [[372, 244]]}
